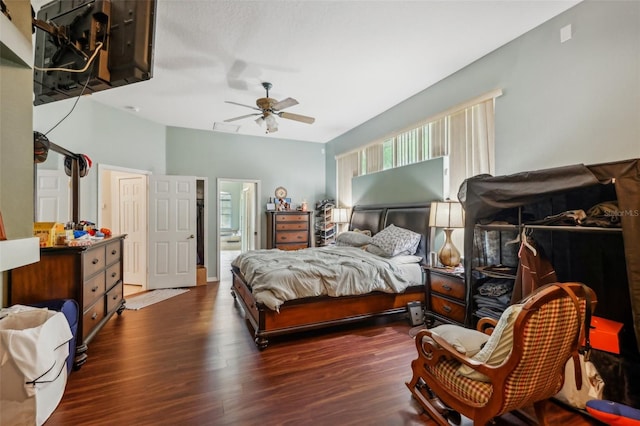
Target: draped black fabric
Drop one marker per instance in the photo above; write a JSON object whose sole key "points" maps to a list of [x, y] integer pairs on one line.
{"points": [[572, 187]]}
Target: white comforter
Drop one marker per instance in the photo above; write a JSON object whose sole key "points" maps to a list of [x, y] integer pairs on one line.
{"points": [[276, 276]]}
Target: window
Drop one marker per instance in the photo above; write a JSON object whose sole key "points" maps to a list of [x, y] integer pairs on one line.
{"points": [[225, 210], [465, 133]]}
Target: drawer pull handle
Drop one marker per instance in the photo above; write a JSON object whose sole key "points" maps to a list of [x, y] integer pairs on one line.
{"points": [[114, 252], [94, 316], [94, 289], [115, 296], [446, 287], [113, 275], [95, 261], [446, 308]]}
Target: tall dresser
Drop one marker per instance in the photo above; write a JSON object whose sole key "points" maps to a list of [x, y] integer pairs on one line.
{"points": [[92, 275], [288, 230]]}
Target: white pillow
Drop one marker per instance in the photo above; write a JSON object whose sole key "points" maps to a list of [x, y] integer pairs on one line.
{"points": [[353, 239], [403, 259], [498, 346], [467, 341], [394, 240]]}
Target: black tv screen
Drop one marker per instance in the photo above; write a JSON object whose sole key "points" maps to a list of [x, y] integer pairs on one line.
{"points": [[84, 46]]}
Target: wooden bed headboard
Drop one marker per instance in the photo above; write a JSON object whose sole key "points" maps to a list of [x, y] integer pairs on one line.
{"points": [[414, 217]]}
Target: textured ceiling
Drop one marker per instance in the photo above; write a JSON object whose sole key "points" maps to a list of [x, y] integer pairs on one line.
{"points": [[344, 61]]}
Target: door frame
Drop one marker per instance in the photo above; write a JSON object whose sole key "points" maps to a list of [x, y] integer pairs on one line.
{"points": [[104, 194], [257, 232]]}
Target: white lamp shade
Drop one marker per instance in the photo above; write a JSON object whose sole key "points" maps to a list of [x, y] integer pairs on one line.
{"points": [[446, 214], [340, 216]]}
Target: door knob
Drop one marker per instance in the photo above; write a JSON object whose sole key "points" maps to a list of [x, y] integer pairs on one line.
{"points": [[191, 236]]}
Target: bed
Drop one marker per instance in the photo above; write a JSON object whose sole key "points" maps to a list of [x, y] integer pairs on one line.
{"points": [[310, 313]]}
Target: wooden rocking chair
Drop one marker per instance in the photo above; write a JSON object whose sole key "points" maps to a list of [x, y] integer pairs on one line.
{"points": [[521, 364]]}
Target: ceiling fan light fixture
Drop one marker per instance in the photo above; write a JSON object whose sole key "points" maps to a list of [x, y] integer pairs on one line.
{"points": [[272, 124], [270, 108]]}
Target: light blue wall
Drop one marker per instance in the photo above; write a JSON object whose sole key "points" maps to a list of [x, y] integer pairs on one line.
{"points": [[563, 103], [296, 165], [107, 136]]}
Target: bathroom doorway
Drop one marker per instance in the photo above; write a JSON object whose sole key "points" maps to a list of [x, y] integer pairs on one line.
{"points": [[238, 221]]}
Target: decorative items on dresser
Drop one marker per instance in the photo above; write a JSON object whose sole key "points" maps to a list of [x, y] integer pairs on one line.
{"points": [[445, 296], [288, 230], [92, 275]]}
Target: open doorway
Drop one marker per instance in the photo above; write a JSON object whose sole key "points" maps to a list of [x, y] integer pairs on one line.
{"points": [[122, 201], [238, 221]]}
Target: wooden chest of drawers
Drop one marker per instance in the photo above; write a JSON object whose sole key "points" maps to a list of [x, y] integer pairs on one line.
{"points": [[445, 296], [288, 230], [92, 275]]}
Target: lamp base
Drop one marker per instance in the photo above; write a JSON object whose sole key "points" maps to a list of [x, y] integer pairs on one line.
{"points": [[449, 254]]}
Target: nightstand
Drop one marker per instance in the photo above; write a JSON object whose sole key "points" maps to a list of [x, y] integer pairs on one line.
{"points": [[445, 296]]}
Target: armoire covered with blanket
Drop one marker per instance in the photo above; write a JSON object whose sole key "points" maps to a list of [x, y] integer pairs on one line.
{"points": [[584, 224]]}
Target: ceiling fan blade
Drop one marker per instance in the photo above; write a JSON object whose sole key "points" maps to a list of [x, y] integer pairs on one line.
{"points": [[285, 103], [247, 106], [241, 117], [297, 117]]}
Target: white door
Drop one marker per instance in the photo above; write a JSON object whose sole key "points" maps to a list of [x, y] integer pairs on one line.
{"points": [[52, 196], [172, 231], [132, 211]]}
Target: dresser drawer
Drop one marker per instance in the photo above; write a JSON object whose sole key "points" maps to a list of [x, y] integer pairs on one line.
{"points": [[292, 237], [291, 226], [114, 297], [292, 246], [92, 290], [113, 275], [450, 286], [291, 218], [93, 261], [447, 308], [92, 317], [113, 251]]}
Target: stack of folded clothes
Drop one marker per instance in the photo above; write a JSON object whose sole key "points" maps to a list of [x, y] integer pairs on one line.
{"points": [[493, 297]]}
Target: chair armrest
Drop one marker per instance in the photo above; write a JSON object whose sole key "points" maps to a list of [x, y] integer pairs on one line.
{"points": [[486, 325], [435, 348]]}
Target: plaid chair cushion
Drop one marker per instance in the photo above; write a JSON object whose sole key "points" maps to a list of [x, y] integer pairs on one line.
{"points": [[474, 391]]}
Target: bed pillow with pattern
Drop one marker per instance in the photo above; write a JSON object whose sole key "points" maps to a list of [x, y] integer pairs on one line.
{"points": [[394, 240]]}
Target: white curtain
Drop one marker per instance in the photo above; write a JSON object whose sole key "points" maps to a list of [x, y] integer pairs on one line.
{"points": [[374, 158], [471, 144], [347, 167], [464, 133]]}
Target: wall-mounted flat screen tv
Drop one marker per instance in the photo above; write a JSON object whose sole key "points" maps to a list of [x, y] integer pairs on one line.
{"points": [[84, 46]]}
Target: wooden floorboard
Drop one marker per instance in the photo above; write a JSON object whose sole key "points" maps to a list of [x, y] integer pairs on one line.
{"points": [[191, 360]]}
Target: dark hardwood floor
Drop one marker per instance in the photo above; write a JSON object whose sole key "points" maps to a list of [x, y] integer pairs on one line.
{"points": [[191, 360]]}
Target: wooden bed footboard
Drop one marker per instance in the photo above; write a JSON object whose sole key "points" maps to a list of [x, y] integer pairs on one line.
{"points": [[317, 312]]}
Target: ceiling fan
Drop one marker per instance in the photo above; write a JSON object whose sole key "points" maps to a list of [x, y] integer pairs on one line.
{"points": [[269, 108]]}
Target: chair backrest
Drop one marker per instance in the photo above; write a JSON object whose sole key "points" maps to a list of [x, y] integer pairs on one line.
{"points": [[546, 333]]}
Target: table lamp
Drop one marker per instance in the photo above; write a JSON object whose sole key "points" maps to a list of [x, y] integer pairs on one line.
{"points": [[339, 216], [448, 215]]}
